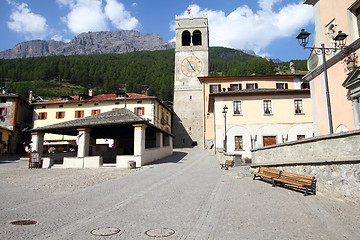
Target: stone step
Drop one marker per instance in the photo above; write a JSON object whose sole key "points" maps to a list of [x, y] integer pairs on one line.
{"points": [[240, 171]]}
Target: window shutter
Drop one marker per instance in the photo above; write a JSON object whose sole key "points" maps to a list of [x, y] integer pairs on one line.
{"points": [[45, 115], [256, 85], [286, 86], [143, 111], [211, 89], [76, 114], [5, 110], [135, 110], [240, 86], [82, 113], [57, 114], [63, 114], [92, 112], [231, 87], [219, 88]]}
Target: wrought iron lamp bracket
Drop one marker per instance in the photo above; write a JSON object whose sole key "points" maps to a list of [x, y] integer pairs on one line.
{"points": [[320, 50]]}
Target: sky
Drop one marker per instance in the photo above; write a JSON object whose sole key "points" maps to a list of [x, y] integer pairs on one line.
{"points": [[268, 27]]}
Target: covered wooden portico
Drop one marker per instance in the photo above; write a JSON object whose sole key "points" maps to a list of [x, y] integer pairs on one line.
{"points": [[134, 139]]}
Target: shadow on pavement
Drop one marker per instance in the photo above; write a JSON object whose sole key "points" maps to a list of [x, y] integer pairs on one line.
{"points": [[8, 159], [175, 158]]}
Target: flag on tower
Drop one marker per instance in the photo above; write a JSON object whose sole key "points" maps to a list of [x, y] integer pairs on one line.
{"points": [[189, 9]]}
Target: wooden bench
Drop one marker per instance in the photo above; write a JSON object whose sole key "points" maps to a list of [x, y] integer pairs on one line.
{"points": [[299, 180], [266, 172], [227, 164]]}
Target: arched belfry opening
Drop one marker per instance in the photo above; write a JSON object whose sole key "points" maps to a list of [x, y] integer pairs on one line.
{"points": [[196, 39], [185, 38]]}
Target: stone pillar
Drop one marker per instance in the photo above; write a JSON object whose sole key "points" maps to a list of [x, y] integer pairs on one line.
{"points": [[37, 139], [83, 140], [139, 142], [356, 110]]}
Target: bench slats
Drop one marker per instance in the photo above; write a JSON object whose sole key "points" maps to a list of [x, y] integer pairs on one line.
{"points": [[295, 179]]}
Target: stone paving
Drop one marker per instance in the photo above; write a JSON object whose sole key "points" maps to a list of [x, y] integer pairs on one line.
{"points": [[186, 194]]}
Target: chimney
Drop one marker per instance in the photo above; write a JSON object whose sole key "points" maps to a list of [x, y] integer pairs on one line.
{"points": [[30, 96], [145, 90], [90, 92]]}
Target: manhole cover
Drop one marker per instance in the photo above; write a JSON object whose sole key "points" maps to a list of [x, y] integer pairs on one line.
{"points": [[160, 232], [105, 231], [24, 222]]}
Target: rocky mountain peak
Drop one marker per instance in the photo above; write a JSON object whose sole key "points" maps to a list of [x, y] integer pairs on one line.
{"points": [[104, 42]]}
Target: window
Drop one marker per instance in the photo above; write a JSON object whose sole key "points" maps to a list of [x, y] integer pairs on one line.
{"points": [[267, 107], [282, 86], [139, 102], [95, 111], [251, 85], [196, 38], [139, 111], [60, 115], [43, 106], [239, 143], [42, 115], [215, 88], [185, 38], [237, 107], [235, 87], [79, 114], [96, 104], [61, 106], [298, 106], [79, 105], [2, 111], [299, 137], [117, 103], [357, 14]]}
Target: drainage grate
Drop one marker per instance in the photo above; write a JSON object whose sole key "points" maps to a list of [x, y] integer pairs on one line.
{"points": [[24, 222], [105, 231], [160, 232]]}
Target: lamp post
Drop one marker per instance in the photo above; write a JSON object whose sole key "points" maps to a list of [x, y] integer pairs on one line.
{"points": [[340, 40], [225, 108]]}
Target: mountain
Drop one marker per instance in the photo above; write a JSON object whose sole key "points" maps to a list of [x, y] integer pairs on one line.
{"points": [[105, 42]]}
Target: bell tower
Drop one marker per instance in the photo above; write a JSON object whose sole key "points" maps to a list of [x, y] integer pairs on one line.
{"points": [[191, 61]]}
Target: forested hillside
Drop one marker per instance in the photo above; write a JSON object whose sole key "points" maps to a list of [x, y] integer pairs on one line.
{"points": [[55, 76]]}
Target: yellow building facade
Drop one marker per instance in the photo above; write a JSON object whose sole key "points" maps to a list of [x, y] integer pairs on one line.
{"points": [[260, 111]]}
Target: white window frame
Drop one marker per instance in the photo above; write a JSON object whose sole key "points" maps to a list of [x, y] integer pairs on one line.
{"points": [[301, 107], [240, 109], [242, 143], [271, 108]]}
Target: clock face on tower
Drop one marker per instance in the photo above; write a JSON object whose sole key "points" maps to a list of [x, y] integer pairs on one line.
{"points": [[191, 66]]}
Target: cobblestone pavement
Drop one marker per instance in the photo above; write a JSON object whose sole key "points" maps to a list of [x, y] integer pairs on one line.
{"points": [[186, 193]]}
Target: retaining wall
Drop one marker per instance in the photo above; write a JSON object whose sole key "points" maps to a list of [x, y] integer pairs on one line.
{"points": [[333, 159]]}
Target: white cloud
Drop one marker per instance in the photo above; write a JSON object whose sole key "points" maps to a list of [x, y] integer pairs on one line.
{"points": [[23, 21], [91, 15], [245, 29], [119, 17], [57, 38], [84, 16]]}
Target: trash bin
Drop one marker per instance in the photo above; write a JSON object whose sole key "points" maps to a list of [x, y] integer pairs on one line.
{"points": [[131, 164]]}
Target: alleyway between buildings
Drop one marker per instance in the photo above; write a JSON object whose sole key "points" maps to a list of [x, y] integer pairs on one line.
{"points": [[186, 196]]}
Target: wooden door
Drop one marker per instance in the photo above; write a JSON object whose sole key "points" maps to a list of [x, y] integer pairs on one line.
{"points": [[269, 140]]}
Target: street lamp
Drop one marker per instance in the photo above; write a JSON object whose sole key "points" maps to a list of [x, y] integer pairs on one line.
{"points": [[225, 108], [340, 41]]}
